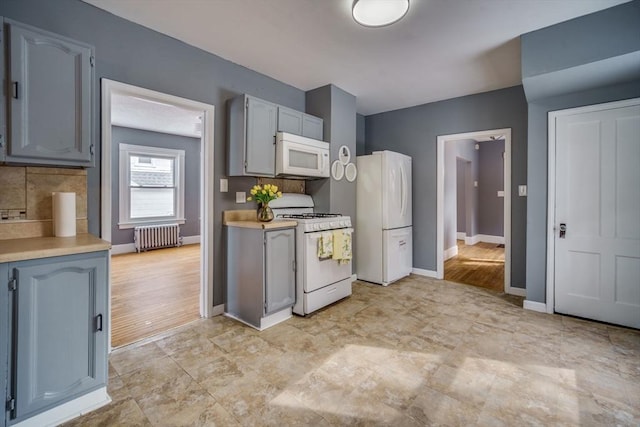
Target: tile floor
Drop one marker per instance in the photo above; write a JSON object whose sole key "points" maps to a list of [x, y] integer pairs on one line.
{"points": [[419, 352]]}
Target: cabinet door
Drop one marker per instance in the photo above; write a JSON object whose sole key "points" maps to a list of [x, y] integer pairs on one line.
{"points": [[289, 120], [3, 116], [4, 338], [280, 277], [60, 339], [312, 127], [261, 134], [50, 86]]}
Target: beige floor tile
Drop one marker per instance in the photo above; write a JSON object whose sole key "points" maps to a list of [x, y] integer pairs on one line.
{"points": [[418, 352]]}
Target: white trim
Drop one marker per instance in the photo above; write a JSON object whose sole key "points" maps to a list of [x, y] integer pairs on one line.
{"points": [[217, 310], [425, 273], [461, 236], [480, 135], [521, 292], [69, 410], [190, 240], [206, 178], [534, 306], [124, 170], [471, 240], [485, 238], [451, 252], [124, 248], [551, 184]]}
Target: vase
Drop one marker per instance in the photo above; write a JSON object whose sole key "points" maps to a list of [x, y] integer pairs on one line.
{"points": [[265, 214]]}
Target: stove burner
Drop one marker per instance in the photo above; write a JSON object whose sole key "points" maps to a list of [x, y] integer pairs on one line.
{"points": [[309, 215]]}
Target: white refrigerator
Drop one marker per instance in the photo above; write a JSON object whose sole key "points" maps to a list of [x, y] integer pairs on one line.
{"points": [[384, 246]]}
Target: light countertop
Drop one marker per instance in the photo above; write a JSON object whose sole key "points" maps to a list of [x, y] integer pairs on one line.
{"points": [[247, 218], [44, 247]]}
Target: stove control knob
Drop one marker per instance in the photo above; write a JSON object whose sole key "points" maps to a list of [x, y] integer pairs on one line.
{"points": [[316, 226], [344, 223], [334, 224]]}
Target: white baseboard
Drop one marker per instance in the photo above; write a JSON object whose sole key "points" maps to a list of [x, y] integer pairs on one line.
{"points": [[461, 236], [123, 249], [67, 411], [451, 252], [190, 240], [521, 292], [217, 310], [128, 248], [425, 273], [535, 306], [486, 238]]}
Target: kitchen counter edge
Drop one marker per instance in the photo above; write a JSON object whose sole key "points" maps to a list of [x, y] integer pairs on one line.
{"points": [[44, 247], [263, 225]]}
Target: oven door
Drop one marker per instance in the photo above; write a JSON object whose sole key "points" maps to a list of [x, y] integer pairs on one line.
{"points": [[319, 273]]}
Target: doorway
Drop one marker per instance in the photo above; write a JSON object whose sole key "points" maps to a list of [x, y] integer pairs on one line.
{"points": [[593, 262], [443, 142], [112, 90]]}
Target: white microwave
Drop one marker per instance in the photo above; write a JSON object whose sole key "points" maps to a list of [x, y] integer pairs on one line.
{"points": [[301, 157]]}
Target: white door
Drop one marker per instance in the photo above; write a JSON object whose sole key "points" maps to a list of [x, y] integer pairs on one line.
{"points": [[597, 215], [396, 190], [397, 247]]}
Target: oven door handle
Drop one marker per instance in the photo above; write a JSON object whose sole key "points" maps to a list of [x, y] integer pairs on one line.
{"points": [[316, 235]]}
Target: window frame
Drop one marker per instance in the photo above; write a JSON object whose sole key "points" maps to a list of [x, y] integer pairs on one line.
{"points": [[124, 196]]}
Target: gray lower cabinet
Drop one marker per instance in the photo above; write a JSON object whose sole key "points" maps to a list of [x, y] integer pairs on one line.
{"points": [[299, 123], [58, 331], [261, 277], [252, 137], [50, 82]]}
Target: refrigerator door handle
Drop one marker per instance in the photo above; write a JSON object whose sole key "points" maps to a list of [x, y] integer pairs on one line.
{"points": [[403, 190]]}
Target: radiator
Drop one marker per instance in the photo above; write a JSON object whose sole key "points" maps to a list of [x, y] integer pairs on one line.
{"points": [[156, 236]]}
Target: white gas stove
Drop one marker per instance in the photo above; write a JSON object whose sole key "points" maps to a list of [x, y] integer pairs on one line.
{"points": [[319, 282]]}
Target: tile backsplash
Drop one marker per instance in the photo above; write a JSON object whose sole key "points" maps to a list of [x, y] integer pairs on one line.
{"points": [[25, 199]]}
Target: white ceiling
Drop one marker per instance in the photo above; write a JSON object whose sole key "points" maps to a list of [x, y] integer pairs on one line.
{"points": [[441, 49], [139, 113]]}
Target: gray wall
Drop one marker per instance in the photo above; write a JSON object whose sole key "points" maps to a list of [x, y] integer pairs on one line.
{"points": [[136, 55], [413, 131], [122, 135], [460, 196], [546, 54], [360, 135], [463, 150], [490, 181]]}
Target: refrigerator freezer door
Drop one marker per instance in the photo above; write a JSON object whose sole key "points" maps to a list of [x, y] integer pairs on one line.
{"points": [[397, 257], [396, 190]]}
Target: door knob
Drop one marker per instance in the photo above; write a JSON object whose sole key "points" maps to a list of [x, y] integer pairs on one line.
{"points": [[563, 230]]}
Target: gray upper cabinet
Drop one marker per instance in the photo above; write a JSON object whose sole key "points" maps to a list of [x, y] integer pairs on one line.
{"points": [[3, 101], [279, 270], [312, 127], [289, 120], [50, 90], [299, 123], [59, 323], [252, 137]]}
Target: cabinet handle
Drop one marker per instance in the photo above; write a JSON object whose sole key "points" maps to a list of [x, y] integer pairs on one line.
{"points": [[15, 90], [99, 323]]}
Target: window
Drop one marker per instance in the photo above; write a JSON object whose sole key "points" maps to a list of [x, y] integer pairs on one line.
{"points": [[151, 185]]}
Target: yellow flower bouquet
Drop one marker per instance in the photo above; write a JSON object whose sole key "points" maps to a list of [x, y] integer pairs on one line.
{"points": [[263, 195]]}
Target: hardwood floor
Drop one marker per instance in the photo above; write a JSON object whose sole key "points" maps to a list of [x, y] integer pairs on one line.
{"points": [[154, 291], [480, 265]]}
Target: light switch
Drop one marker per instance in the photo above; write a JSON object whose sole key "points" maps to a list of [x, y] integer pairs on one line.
{"points": [[500, 193], [224, 185], [475, 183], [522, 190], [241, 197]]}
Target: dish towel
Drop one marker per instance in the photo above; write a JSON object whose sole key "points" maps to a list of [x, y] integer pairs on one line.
{"points": [[325, 245], [342, 246]]}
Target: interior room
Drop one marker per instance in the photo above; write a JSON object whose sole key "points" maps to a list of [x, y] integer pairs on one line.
{"points": [[246, 213]]}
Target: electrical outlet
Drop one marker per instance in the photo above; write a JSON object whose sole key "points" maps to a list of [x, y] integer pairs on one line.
{"points": [[522, 190], [224, 185], [241, 197], [475, 183]]}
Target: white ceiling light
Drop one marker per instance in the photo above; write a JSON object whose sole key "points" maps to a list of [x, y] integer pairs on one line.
{"points": [[378, 13]]}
